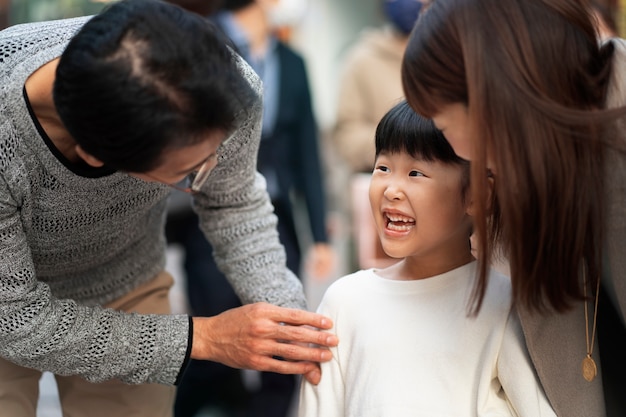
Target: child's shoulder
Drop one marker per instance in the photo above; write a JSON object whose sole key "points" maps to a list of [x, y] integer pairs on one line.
{"points": [[499, 279], [348, 284], [349, 280], [498, 289], [343, 293]]}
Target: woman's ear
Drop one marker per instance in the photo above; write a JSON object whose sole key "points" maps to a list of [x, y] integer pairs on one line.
{"points": [[471, 208], [88, 158]]}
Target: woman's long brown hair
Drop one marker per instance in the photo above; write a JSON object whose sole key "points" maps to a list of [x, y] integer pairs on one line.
{"points": [[534, 80]]}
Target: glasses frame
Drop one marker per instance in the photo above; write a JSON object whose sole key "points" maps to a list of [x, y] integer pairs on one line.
{"points": [[201, 174]]}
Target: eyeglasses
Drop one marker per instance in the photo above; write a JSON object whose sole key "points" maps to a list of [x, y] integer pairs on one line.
{"points": [[203, 173], [205, 170], [200, 175]]}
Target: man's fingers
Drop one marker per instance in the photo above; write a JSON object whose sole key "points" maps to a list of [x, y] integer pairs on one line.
{"points": [[298, 317], [299, 326], [305, 335], [286, 367], [314, 376], [263, 335], [295, 352]]}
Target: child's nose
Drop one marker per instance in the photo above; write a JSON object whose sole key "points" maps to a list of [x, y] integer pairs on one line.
{"points": [[393, 192]]}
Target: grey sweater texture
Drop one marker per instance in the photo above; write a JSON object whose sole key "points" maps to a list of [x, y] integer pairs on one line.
{"points": [[71, 242]]}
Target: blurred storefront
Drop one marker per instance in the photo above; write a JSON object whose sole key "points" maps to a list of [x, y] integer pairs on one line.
{"points": [[19, 11], [621, 8], [4, 13]]}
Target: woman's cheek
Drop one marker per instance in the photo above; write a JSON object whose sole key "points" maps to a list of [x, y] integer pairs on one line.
{"points": [[459, 144]]}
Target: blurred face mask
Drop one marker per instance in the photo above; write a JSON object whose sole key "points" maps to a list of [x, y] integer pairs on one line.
{"points": [[403, 13], [286, 12]]}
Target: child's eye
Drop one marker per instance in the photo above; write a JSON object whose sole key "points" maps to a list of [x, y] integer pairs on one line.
{"points": [[415, 174], [382, 168]]}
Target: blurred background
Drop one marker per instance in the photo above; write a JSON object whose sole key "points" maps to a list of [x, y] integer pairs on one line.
{"points": [[326, 30]]}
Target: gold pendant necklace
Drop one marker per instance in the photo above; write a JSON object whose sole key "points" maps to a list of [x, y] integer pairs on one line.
{"points": [[589, 368]]}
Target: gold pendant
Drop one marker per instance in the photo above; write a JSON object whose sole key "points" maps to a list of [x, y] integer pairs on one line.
{"points": [[589, 368]]}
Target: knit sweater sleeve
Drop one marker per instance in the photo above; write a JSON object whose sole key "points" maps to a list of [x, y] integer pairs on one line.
{"points": [[53, 273], [40, 331], [237, 217]]}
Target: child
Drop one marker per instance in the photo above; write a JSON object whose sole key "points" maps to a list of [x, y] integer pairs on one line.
{"points": [[409, 345]]}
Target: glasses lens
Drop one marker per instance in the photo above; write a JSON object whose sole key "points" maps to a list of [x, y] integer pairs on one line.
{"points": [[203, 173]]}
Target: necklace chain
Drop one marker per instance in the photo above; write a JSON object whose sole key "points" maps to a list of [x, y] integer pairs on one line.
{"points": [[589, 368]]}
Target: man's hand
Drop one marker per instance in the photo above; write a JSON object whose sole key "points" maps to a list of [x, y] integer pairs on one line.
{"points": [[254, 336]]}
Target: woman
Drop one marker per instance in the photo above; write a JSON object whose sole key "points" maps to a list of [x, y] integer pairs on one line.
{"points": [[525, 90], [98, 118]]}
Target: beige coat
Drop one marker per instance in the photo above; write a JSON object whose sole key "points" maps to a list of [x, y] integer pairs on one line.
{"points": [[370, 85], [557, 342]]}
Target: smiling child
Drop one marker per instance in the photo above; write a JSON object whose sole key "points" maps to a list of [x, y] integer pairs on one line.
{"points": [[410, 342]]}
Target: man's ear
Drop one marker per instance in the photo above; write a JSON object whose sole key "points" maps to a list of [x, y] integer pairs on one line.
{"points": [[471, 208], [88, 158]]}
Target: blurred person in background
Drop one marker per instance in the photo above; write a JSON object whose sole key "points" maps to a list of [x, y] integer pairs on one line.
{"points": [[289, 159], [370, 82]]}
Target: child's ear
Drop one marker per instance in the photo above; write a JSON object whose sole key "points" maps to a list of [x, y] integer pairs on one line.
{"points": [[471, 208], [88, 158]]}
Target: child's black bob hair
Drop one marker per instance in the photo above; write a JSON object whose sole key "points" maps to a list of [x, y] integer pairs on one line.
{"points": [[403, 130]]}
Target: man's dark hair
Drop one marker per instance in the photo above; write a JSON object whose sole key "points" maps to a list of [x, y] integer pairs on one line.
{"points": [[234, 5], [145, 76]]}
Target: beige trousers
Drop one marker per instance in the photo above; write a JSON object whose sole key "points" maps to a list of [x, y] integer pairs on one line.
{"points": [[19, 387]]}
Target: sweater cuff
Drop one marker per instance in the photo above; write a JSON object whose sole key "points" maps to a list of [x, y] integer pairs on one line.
{"points": [[187, 353]]}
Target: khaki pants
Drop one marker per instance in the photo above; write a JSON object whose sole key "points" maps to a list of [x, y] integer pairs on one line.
{"points": [[19, 387]]}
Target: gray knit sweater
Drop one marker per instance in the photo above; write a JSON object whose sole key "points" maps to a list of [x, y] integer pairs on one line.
{"points": [[71, 241]]}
